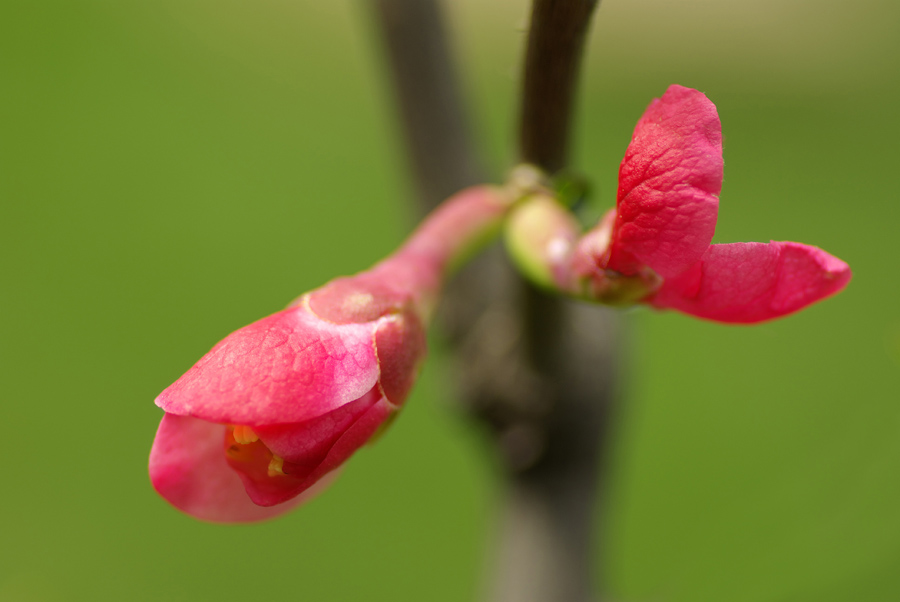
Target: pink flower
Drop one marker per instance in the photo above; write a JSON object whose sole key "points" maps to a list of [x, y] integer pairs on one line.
{"points": [[267, 417], [658, 237]]}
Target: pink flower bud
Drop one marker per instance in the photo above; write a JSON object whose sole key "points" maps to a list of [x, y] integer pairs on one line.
{"points": [[267, 417]]}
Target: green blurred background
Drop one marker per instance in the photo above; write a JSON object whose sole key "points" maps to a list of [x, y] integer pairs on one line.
{"points": [[171, 170]]}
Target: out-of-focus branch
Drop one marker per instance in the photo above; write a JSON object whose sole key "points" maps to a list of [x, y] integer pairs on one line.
{"points": [[438, 140], [537, 372]]}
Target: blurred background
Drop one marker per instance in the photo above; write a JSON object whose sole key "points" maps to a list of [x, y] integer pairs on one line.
{"points": [[171, 170]]}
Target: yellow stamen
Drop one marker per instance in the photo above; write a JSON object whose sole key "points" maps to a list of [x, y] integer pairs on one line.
{"points": [[276, 466], [244, 435]]}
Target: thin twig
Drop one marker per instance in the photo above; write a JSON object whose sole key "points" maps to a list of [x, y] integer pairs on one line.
{"points": [[556, 41], [546, 542]]}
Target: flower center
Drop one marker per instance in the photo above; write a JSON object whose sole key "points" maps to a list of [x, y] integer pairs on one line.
{"points": [[247, 454]]}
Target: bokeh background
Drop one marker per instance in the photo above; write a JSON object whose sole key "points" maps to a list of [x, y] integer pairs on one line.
{"points": [[171, 170]]}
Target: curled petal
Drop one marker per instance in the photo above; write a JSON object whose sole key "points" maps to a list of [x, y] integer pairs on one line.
{"points": [[669, 182], [358, 434], [286, 368], [312, 451], [752, 282], [303, 446], [188, 468]]}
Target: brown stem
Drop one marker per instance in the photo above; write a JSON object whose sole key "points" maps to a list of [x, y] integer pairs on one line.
{"points": [[556, 40], [545, 545], [537, 372]]}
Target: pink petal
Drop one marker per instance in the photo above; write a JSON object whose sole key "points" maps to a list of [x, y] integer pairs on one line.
{"points": [[188, 468], [305, 445], [401, 346], [286, 368], [669, 183], [751, 282], [357, 435], [315, 460]]}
